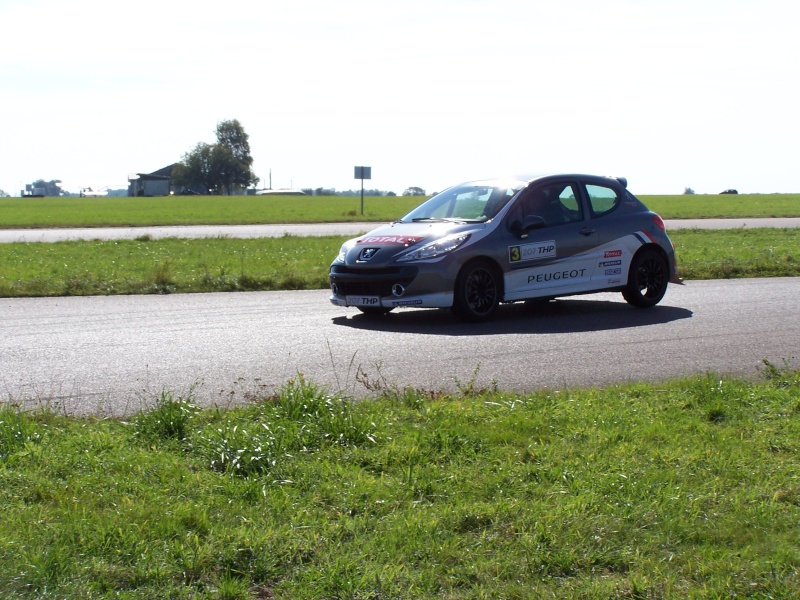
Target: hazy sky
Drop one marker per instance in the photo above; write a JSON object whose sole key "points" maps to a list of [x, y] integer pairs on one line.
{"points": [[671, 94]]}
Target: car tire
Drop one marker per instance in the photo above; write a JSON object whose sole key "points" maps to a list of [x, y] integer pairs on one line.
{"points": [[648, 278], [477, 291], [375, 311]]}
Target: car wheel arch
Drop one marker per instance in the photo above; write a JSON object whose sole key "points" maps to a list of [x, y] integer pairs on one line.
{"points": [[495, 266]]}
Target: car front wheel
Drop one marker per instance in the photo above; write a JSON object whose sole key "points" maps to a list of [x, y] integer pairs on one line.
{"points": [[647, 279], [477, 292]]}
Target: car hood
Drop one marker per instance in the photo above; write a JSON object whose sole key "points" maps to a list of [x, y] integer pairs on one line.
{"points": [[386, 242]]}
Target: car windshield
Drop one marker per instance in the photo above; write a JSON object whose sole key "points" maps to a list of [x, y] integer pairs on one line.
{"points": [[467, 202]]}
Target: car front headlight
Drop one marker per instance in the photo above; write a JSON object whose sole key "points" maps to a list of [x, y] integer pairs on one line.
{"points": [[344, 250], [436, 248]]}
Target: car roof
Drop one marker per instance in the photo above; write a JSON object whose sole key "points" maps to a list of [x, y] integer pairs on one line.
{"points": [[527, 179]]}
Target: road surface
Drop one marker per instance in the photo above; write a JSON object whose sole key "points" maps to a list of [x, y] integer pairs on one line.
{"points": [[112, 355]]}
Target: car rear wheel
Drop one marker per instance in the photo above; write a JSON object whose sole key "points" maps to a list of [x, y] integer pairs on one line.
{"points": [[477, 291], [647, 279]]}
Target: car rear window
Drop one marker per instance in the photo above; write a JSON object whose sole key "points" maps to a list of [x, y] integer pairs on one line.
{"points": [[601, 199]]}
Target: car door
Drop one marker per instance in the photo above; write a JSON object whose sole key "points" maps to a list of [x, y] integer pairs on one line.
{"points": [[617, 236], [550, 242]]}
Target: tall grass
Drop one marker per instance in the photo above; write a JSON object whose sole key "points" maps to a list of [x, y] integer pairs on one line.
{"points": [[684, 489]]}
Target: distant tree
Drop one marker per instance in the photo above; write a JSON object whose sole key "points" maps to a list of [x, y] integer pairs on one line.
{"points": [[222, 167], [3, 194], [47, 188], [232, 158], [414, 191], [688, 191], [197, 168]]}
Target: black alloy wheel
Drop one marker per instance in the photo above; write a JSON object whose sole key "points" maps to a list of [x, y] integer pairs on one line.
{"points": [[647, 279], [477, 292]]}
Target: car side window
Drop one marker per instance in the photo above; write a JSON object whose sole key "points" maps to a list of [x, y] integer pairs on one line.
{"points": [[557, 204], [602, 200]]}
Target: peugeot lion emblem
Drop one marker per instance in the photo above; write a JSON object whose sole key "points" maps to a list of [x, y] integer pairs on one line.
{"points": [[367, 253]]}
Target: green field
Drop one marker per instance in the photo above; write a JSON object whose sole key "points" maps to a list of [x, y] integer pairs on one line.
{"points": [[196, 210], [238, 210], [679, 490], [725, 206], [148, 266]]}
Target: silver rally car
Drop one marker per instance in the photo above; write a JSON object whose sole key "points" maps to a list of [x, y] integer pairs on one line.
{"points": [[481, 243]]}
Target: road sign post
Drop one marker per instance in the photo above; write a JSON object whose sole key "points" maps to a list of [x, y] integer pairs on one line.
{"points": [[363, 173]]}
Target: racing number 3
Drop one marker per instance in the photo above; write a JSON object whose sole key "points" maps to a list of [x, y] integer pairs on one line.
{"points": [[513, 253]]}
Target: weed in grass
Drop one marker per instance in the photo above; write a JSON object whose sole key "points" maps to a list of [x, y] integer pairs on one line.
{"points": [[162, 278], [783, 376], [469, 387], [169, 420], [233, 588], [17, 431], [300, 418]]}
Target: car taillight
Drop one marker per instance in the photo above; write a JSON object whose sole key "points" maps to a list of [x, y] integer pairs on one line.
{"points": [[659, 222]]}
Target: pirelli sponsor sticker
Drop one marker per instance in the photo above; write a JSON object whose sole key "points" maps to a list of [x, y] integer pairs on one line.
{"points": [[535, 251]]}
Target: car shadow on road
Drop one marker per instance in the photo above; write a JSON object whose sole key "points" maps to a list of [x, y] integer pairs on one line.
{"points": [[560, 316]]}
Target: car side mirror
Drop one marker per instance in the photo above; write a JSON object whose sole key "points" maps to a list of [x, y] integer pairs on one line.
{"points": [[529, 224]]}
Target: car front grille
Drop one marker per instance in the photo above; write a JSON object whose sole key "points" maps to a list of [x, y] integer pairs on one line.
{"points": [[370, 282]]}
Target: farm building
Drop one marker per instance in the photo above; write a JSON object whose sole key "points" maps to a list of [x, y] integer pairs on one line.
{"points": [[157, 183]]}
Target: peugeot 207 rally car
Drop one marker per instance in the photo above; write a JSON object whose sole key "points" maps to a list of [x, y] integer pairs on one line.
{"points": [[481, 243]]}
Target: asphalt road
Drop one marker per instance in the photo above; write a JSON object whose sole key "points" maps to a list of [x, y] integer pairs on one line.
{"points": [[114, 355], [256, 231]]}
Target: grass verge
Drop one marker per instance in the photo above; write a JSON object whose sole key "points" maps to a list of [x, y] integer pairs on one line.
{"points": [[148, 266], [682, 489]]}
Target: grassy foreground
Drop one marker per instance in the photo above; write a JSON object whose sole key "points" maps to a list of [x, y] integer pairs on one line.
{"points": [[147, 266], [240, 210], [687, 489]]}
